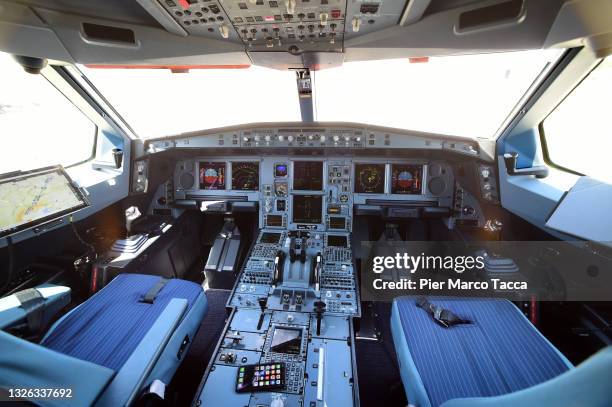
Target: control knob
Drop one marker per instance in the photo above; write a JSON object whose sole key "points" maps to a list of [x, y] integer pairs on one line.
{"points": [[290, 138]]}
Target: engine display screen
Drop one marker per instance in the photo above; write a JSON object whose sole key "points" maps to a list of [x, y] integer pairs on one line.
{"points": [[245, 176], [370, 178], [406, 179], [308, 176], [338, 241], [268, 237], [307, 208], [287, 341], [274, 221], [337, 222], [212, 175]]}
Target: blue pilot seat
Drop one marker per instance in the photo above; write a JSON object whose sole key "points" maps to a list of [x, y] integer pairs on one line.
{"points": [[498, 359], [112, 347]]}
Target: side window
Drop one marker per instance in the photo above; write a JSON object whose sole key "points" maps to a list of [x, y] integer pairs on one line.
{"points": [[39, 126], [578, 133]]}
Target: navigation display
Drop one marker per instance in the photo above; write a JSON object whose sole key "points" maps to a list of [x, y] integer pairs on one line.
{"points": [[370, 178], [245, 176], [406, 179], [287, 341], [212, 175], [308, 176], [30, 199], [307, 208]]}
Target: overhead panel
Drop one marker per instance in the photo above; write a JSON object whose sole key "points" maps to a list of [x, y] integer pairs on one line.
{"points": [[294, 26]]}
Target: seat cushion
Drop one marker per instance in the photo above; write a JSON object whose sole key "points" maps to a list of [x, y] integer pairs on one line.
{"points": [[499, 353], [108, 327]]}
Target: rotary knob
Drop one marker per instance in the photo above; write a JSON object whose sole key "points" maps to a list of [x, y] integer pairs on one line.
{"points": [[290, 138], [268, 138], [322, 138], [336, 138]]}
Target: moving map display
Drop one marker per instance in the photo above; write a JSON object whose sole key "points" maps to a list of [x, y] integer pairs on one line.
{"points": [[30, 199]]}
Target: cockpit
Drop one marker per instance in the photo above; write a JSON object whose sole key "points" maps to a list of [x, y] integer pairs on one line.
{"points": [[305, 203]]}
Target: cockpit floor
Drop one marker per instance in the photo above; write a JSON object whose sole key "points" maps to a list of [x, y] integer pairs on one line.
{"points": [[377, 369], [188, 376]]}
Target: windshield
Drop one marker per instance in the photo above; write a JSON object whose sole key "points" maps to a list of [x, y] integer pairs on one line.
{"points": [[468, 96]]}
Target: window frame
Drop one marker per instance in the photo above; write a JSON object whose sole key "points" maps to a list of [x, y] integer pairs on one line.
{"points": [[92, 156], [55, 82], [545, 150]]}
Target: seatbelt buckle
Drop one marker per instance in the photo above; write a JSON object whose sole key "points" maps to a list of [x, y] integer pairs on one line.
{"points": [[437, 314]]}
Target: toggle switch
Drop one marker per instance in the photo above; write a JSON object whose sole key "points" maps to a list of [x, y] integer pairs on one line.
{"points": [[356, 22], [224, 30]]}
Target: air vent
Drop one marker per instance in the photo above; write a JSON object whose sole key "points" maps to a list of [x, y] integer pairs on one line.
{"points": [[490, 15], [106, 33]]}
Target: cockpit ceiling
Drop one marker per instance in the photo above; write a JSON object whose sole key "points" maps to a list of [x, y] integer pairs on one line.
{"points": [[277, 33]]}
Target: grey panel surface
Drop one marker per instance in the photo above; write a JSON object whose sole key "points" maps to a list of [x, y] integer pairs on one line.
{"points": [[220, 389], [337, 384], [332, 327], [242, 357], [249, 341], [246, 319]]}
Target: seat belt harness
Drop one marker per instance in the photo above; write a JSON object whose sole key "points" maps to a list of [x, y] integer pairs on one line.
{"points": [[442, 316]]}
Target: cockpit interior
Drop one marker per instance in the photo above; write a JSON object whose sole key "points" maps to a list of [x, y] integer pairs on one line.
{"points": [[305, 203]]}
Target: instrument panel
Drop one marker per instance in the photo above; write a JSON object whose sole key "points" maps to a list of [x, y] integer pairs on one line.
{"points": [[317, 193]]}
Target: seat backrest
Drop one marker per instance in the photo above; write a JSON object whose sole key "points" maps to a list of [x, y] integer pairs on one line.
{"points": [[588, 384], [30, 365]]}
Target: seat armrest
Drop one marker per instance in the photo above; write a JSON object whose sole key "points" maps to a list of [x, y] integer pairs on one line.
{"points": [[129, 380], [56, 297], [28, 365]]}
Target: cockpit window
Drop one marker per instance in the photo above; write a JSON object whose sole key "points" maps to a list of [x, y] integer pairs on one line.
{"points": [[578, 132], [467, 96], [157, 102], [39, 127]]}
